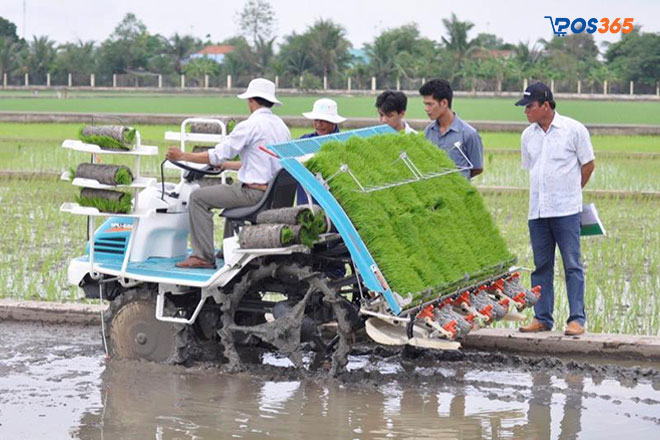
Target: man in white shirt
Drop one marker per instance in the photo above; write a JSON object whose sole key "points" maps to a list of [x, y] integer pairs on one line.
{"points": [[255, 169], [557, 152], [391, 108]]}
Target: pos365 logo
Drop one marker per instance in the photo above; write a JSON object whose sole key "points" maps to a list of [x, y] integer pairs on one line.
{"points": [[561, 25]]}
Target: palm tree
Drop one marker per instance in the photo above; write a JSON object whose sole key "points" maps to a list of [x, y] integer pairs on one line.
{"points": [[40, 56], [76, 57], [264, 52], [527, 57], [295, 54], [178, 48], [8, 55], [199, 67], [399, 52], [328, 47], [457, 43]]}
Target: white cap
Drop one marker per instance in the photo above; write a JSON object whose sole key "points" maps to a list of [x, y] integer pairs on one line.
{"points": [[325, 110], [261, 88]]}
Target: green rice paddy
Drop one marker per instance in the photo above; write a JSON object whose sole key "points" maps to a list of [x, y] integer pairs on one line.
{"points": [[35, 147], [471, 109]]}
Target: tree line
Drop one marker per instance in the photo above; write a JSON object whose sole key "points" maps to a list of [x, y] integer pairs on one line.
{"points": [[323, 50]]}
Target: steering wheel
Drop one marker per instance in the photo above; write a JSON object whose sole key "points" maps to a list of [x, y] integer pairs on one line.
{"points": [[208, 170]]}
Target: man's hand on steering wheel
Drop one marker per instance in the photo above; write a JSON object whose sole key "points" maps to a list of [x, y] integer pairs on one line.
{"points": [[174, 154]]}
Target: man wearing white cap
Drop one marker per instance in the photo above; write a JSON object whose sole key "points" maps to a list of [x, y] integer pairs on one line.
{"points": [[325, 117], [255, 169]]}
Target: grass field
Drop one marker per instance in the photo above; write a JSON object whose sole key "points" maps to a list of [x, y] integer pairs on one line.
{"points": [[471, 109], [622, 269]]}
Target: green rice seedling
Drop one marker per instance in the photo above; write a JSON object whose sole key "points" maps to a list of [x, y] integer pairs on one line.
{"points": [[428, 233], [123, 177], [287, 236], [105, 200], [108, 142], [114, 141]]}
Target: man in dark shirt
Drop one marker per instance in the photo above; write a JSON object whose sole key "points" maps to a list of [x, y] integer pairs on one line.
{"points": [[449, 132]]}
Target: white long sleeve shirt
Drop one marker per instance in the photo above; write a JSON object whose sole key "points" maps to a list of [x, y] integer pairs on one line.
{"points": [[261, 128], [554, 160]]}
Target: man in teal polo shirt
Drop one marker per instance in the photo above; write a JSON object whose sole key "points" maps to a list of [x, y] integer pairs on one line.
{"points": [[458, 138]]}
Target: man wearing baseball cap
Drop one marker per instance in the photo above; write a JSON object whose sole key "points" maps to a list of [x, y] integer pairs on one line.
{"points": [[255, 169], [557, 152]]}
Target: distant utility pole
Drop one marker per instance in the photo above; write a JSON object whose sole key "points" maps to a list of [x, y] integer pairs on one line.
{"points": [[24, 2]]}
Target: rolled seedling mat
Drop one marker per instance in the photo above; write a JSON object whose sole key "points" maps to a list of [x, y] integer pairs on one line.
{"points": [[111, 137], [105, 200], [295, 215], [318, 224], [104, 173], [306, 236], [266, 236], [205, 127]]}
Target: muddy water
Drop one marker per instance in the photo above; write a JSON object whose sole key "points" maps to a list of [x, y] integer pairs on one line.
{"points": [[55, 383]]}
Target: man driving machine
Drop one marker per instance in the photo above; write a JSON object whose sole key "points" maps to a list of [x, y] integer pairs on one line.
{"points": [[255, 169]]}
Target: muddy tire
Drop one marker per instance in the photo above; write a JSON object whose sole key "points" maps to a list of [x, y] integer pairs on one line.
{"points": [[299, 284], [133, 332]]}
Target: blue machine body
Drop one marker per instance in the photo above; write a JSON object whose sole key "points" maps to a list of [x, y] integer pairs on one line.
{"points": [[366, 266], [112, 237]]}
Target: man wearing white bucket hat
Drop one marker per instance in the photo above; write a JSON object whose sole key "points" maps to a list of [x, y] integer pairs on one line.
{"points": [[255, 169], [325, 117]]}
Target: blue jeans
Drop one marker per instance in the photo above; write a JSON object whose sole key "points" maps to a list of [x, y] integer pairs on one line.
{"points": [[546, 234]]}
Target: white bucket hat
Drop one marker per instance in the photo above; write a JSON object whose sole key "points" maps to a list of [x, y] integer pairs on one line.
{"points": [[261, 88], [325, 110]]}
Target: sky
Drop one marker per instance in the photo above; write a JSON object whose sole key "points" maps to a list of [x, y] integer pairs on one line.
{"points": [[514, 21]]}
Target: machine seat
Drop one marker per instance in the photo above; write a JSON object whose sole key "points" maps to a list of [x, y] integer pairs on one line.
{"points": [[279, 194]]}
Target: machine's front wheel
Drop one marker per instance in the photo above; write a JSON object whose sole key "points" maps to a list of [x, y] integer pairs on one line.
{"points": [[133, 332]]}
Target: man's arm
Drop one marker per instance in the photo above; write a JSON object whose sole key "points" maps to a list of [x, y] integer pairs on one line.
{"points": [[587, 169], [475, 153], [175, 154], [233, 165]]}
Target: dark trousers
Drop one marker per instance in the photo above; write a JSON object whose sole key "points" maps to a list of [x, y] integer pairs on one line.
{"points": [[546, 234]]}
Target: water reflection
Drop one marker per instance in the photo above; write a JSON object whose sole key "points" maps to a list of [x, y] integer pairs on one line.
{"points": [[150, 401]]}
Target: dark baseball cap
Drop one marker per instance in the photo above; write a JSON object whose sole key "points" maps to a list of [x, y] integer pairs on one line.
{"points": [[536, 92]]}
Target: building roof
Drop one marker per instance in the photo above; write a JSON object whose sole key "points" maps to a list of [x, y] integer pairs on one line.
{"points": [[216, 50]]}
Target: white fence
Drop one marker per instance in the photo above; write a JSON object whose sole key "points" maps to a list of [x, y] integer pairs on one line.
{"points": [[311, 83]]}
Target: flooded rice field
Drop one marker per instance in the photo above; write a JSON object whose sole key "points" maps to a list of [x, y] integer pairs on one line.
{"points": [[55, 384], [622, 269]]}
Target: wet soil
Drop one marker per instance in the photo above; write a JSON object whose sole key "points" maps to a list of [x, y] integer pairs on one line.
{"points": [[56, 383]]}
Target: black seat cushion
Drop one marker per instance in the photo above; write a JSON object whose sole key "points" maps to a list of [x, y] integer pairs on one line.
{"points": [[279, 194]]}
